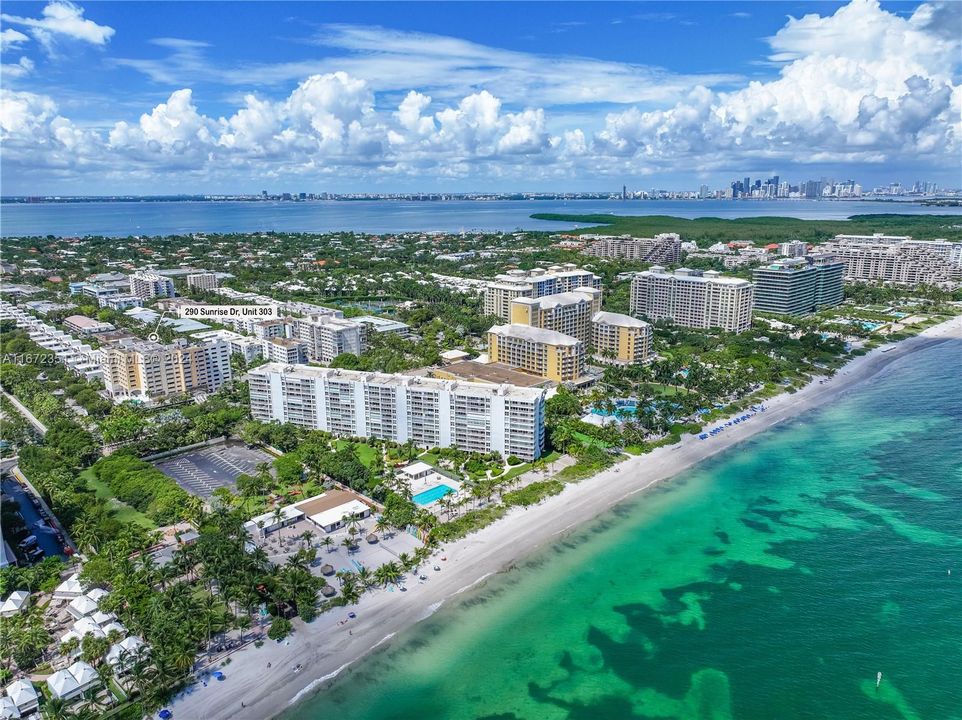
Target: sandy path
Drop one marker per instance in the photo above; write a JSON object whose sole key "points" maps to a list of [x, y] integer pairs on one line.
{"points": [[325, 647]]}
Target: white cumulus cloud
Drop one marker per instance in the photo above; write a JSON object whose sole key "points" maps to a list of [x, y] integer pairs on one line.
{"points": [[59, 20]]}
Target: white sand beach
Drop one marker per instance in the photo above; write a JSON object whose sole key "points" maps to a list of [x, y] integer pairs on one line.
{"points": [[327, 646]]}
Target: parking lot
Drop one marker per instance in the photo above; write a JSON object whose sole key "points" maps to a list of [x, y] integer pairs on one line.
{"points": [[201, 472]]}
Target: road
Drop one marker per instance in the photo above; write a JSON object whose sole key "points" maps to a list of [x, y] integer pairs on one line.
{"points": [[31, 418]]}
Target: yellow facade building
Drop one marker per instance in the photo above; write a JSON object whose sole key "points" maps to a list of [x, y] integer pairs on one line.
{"points": [[546, 353], [620, 339], [568, 313]]}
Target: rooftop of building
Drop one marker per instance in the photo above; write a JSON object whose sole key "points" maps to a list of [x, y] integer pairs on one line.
{"points": [[84, 322], [381, 324], [286, 342], [327, 501], [610, 318], [689, 275], [534, 334], [578, 295], [398, 380], [489, 373]]}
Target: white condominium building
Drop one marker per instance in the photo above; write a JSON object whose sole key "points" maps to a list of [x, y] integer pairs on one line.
{"points": [[567, 313], [536, 283], [663, 248], [693, 298], [793, 249], [898, 259], [149, 285], [429, 412], [541, 352], [329, 335], [620, 339], [248, 347], [284, 350], [202, 281], [140, 368]]}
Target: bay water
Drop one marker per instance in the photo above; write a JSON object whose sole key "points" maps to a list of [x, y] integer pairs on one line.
{"points": [[122, 219]]}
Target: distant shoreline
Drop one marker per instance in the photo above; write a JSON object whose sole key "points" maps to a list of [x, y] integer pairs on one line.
{"points": [[325, 649], [432, 197]]}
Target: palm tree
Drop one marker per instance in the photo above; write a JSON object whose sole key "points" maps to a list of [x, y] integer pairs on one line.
{"points": [[365, 576], [388, 573], [328, 543], [348, 543], [381, 525], [56, 709]]}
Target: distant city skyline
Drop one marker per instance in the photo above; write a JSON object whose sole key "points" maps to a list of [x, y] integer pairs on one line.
{"points": [[231, 98]]}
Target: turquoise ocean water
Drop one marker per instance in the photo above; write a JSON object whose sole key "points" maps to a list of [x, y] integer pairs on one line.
{"points": [[771, 583]]}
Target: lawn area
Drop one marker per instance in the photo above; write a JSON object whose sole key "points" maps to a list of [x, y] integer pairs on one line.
{"points": [[524, 467], [585, 440], [125, 513], [365, 453]]}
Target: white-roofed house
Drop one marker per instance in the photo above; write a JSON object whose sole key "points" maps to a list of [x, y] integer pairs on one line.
{"points": [[111, 626], [24, 696], [102, 618], [85, 675], [86, 626], [63, 685], [122, 655], [8, 709], [97, 594], [69, 588], [18, 601], [82, 606]]}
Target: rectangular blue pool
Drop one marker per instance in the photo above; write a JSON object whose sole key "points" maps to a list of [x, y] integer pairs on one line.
{"points": [[432, 494]]}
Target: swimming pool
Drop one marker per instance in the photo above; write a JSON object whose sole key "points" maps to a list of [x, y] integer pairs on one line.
{"points": [[623, 409], [432, 494]]}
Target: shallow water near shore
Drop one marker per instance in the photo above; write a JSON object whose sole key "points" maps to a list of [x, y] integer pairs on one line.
{"points": [[773, 581]]}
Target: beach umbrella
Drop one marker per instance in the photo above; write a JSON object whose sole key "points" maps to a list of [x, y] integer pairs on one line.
{"points": [[328, 591], [372, 539], [327, 569]]}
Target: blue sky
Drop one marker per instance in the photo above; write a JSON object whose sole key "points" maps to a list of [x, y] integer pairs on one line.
{"points": [[233, 97]]}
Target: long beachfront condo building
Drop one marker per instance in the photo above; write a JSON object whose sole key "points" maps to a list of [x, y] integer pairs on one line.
{"points": [[620, 339], [426, 411], [693, 298], [149, 285], [567, 313], [535, 283], [898, 259], [149, 370], [541, 352], [664, 248], [798, 286]]}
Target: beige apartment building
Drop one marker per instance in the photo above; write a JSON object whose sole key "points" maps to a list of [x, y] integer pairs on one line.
{"points": [[202, 281], [567, 313], [620, 339], [664, 248], [535, 283], [693, 298], [898, 259], [148, 370], [545, 353]]}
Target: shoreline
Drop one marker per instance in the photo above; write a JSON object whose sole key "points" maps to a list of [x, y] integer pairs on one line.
{"points": [[325, 651]]}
